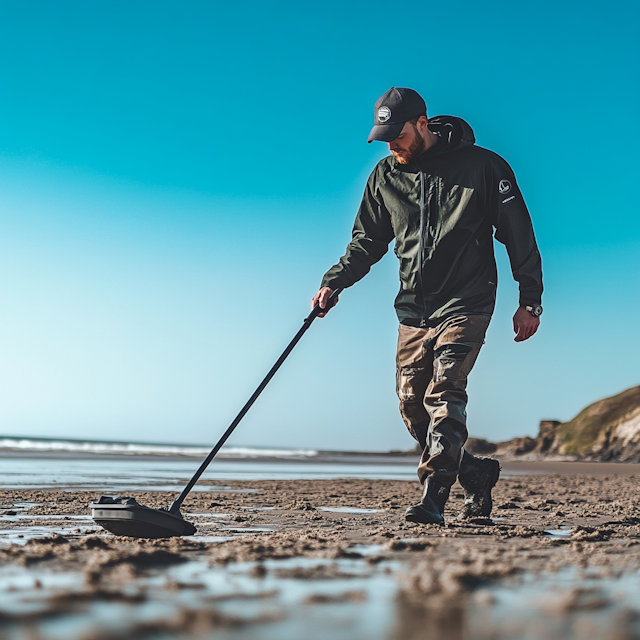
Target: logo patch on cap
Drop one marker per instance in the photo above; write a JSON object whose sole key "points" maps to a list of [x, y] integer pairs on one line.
{"points": [[384, 113], [504, 186]]}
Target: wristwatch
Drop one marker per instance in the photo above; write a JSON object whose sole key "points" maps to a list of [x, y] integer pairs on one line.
{"points": [[534, 309]]}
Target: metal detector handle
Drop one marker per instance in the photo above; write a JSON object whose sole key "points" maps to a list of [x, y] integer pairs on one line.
{"points": [[175, 506], [331, 302]]}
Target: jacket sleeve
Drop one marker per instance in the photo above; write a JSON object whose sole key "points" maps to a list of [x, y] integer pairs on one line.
{"points": [[372, 233], [514, 229]]}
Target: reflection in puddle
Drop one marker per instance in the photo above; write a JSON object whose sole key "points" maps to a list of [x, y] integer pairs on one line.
{"points": [[569, 604], [366, 549], [25, 516], [311, 598], [22, 535], [25, 590], [559, 533], [334, 596], [210, 538], [21, 506], [80, 526], [348, 510]]}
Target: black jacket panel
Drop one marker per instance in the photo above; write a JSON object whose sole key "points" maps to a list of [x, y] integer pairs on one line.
{"points": [[442, 209]]}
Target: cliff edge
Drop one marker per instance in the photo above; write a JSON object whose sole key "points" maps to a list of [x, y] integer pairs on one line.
{"points": [[608, 429]]}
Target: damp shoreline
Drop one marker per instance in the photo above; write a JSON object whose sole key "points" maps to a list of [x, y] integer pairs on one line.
{"points": [[293, 558], [119, 472]]}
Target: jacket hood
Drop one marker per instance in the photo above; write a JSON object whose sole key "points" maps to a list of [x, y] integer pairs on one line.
{"points": [[454, 132]]}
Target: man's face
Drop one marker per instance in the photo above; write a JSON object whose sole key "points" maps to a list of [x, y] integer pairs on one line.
{"points": [[408, 144]]}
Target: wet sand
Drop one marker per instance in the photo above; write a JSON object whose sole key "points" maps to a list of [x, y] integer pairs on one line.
{"points": [[577, 537], [534, 465]]}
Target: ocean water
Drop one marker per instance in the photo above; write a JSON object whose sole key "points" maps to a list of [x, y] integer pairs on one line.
{"points": [[118, 466], [161, 474]]}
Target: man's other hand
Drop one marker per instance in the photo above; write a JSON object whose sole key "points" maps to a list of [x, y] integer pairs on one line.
{"points": [[524, 324], [322, 298]]}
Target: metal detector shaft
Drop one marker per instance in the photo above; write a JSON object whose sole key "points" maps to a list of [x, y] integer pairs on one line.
{"points": [[175, 506]]}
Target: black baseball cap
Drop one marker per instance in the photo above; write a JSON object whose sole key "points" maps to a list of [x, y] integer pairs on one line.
{"points": [[393, 109]]}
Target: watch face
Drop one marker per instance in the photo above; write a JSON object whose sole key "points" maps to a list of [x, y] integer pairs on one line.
{"points": [[536, 310]]}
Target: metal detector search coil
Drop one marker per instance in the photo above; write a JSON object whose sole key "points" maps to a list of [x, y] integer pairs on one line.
{"points": [[125, 517]]}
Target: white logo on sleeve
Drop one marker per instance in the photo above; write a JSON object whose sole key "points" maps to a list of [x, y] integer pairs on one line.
{"points": [[384, 113], [504, 186]]}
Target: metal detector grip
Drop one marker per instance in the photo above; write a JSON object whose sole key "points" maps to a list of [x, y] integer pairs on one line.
{"points": [[317, 310], [176, 504]]}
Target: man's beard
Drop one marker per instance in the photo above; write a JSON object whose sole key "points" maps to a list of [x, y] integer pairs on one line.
{"points": [[415, 149]]}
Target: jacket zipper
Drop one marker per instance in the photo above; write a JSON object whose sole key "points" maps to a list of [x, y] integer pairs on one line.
{"points": [[423, 322]]}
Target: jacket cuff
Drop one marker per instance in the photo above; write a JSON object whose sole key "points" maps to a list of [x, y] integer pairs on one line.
{"points": [[332, 282], [530, 298]]}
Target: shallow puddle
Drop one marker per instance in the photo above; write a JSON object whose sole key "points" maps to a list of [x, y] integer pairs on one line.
{"points": [[23, 506], [311, 598], [561, 532], [287, 596], [22, 535], [366, 549], [348, 510], [210, 538], [568, 604], [26, 516]]}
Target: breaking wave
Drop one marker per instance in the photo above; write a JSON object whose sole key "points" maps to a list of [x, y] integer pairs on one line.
{"points": [[136, 448]]}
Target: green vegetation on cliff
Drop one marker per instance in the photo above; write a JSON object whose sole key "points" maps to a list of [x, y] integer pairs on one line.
{"points": [[580, 434]]}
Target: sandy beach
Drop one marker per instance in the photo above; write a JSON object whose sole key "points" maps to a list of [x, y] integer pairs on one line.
{"points": [[559, 558]]}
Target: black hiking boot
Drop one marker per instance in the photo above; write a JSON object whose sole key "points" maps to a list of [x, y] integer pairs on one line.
{"points": [[430, 510], [477, 477]]}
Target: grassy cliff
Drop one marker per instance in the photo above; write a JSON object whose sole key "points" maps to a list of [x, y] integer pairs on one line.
{"points": [[578, 436]]}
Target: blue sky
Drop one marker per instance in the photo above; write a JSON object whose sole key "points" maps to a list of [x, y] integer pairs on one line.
{"points": [[177, 176]]}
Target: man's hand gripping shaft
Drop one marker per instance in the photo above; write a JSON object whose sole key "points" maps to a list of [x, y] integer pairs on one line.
{"points": [[322, 298]]}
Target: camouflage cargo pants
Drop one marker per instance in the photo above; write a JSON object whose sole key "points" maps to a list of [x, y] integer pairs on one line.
{"points": [[432, 366]]}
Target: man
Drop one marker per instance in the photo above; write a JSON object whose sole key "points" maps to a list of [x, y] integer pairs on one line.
{"points": [[440, 197]]}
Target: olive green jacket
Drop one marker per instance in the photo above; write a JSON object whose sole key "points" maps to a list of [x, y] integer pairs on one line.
{"points": [[442, 210]]}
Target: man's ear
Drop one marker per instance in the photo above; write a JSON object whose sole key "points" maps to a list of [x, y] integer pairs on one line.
{"points": [[422, 123]]}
